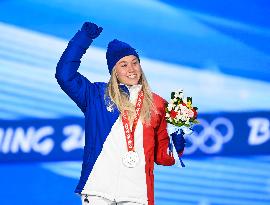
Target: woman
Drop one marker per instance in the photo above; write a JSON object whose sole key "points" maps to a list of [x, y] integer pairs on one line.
{"points": [[125, 127]]}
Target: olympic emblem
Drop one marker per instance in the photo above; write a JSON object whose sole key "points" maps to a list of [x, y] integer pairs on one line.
{"points": [[209, 137]]}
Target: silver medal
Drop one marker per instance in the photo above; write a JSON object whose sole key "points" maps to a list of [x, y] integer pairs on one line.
{"points": [[131, 159]]}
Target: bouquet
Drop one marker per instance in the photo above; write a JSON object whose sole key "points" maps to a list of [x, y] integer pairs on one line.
{"points": [[181, 116], [180, 112]]}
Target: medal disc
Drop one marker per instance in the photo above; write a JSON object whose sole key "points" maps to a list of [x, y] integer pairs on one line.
{"points": [[131, 159]]}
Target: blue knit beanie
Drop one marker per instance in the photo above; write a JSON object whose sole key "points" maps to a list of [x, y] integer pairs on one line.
{"points": [[117, 50]]}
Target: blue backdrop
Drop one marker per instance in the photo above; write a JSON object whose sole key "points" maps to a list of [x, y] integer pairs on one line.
{"points": [[218, 52]]}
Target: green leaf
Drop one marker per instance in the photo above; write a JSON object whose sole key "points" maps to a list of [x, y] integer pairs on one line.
{"points": [[172, 95]]}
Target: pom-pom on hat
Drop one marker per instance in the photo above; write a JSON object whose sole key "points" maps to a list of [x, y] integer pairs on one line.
{"points": [[117, 50]]}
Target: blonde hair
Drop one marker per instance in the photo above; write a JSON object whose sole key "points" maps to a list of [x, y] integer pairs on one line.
{"points": [[121, 99]]}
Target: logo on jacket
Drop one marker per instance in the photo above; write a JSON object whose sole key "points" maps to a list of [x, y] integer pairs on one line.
{"points": [[110, 108]]}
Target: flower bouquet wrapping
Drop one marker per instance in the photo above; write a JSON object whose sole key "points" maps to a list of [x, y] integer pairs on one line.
{"points": [[181, 116]]}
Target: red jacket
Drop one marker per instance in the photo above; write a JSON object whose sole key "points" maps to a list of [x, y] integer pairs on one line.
{"points": [[156, 142]]}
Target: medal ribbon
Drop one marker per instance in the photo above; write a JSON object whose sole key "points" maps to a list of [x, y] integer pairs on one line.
{"points": [[130, 133]]}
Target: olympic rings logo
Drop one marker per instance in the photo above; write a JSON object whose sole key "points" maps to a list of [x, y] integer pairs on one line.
{"points": [[218, 132]]}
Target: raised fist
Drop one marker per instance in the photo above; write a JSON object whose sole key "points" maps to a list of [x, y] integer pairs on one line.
{"points": [[92, 29]]}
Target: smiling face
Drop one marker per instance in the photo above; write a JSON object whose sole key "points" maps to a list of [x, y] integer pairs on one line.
{"points": [[128, 70]]}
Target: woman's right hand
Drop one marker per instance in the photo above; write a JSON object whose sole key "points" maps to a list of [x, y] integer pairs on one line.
{"points": [[93, 31]]}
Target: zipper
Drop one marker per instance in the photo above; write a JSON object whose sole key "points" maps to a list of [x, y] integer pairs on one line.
{"points": [[86, 199]]}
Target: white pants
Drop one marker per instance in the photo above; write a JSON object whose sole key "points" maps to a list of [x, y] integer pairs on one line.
{"points": [[97, 200]]}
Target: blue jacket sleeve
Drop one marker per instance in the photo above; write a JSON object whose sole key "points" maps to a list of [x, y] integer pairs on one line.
{"points": [[75, 85]]}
